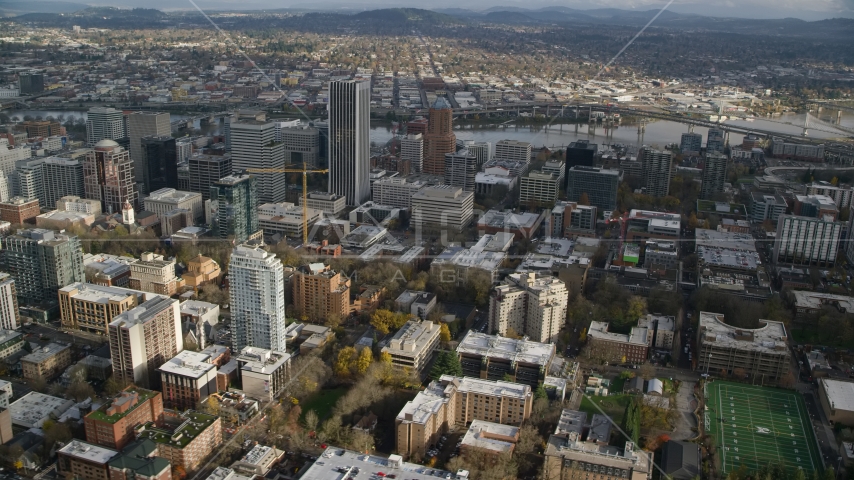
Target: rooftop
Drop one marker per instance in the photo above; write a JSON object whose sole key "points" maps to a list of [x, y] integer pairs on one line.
{"points": [[194, 424], [188, 364], [43, 353], [571, 421], [556, 247], [429, 400], [171, 195], [143, 313], [840, 394], [733, 241], [196, 307], [507, 219], [665, 323], [770, 338], [260, 360], [728, 258], [599, 330], [34, 407], [338, 464], [816, 300], [139, 458], [490, 436], [414, 336], [88, 452], [88, 292], [516, 350], [101, 413]]}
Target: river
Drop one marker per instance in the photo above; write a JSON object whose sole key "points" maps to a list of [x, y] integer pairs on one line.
{"points": [[657, 133]]}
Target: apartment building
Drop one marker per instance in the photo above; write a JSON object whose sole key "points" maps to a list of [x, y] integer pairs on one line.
{"points": [[442, 207], [841, 194], [184, 440], [766, 206], [574, 452], [461, 170], [153, 273], [41, 262], [90, 308], [108, 176], [187, 379], [759, 352], [413, 345], [660, 330], [47, 362], [9, 316], [144, 338], [84, 461], [531, 304], [138, 461], [11, 342], [807, 241], [458, 401], [513, 150], [657, 171], [73, 203], [493, 357], [618, 347], [112, 425], [263, 374], [319, 292], [539, 187], [160, 202], [18, 210], [257, 293]]}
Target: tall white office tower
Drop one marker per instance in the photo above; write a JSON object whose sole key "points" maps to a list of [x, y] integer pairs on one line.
{"points": [[349, 140], [143, 124], [104, 123], [254, 145], [257, 293]]}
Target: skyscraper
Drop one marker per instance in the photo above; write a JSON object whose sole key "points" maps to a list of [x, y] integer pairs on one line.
{"points": [[481, 151], [104, 123], [254, 145], [302, 143], [30, 83], [691, 142], [349, 140], [108, 176], [158, 162], [144, 124], [461, 170], [9, 317], [599, 184], [205, 170], [714, 175], [579, 153], [143, 338], [41, 262], [412, 149], [236, 203], [257, 289], [440, 138], [715, 140], [656, 171], [61, 177]]}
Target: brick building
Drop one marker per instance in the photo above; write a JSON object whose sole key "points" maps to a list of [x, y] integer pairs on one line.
{"points": [[113, 424]]}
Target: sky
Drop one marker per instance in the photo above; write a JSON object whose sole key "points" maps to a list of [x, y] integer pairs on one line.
{"points": [[803, 9]]}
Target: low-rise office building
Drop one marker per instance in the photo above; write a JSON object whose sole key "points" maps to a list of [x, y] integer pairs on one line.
{"points": [[418, 304], [458, 401], [493, 357], [258, 461], [413, 345], [107, 270], [837, 400], [187, 379], [263, 373]]}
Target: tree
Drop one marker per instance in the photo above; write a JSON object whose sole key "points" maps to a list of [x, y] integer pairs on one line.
{"points": [[179, 472], [38, 384], [344, 363], [540, 392], [364, 361], [385, 357], [80, 390], [27, 347], [311, 420], [446, 364], [444, 332], [385, 320]]}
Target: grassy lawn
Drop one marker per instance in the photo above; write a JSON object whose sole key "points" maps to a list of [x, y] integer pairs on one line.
{"points": [[617, 385], [614, 406], [322, 402]]}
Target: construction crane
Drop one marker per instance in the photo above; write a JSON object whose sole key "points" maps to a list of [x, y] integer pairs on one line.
{"points": [[304, 171]]}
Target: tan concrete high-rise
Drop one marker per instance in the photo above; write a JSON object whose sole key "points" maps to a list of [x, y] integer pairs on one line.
{"points": [[320, 292], [108, 176], [440, 138]]}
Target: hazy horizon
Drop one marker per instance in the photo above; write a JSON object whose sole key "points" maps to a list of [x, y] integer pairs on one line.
{"points": [[759, 9]]}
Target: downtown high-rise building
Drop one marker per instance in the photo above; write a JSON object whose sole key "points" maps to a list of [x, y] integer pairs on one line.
{"points": [[108, 177], [254, 145], [205, 170], [105, 123], [807, 241], [302, 143], [480, 150], [530, 304], [513, 150], [691, 142], [657, 167], [143, 338], [600, 185], [257, 292], [159, 163], [412, 150], [145, 124], [440, 139], [9, 317], [349, 140], [461, 170], [235, 200], [579, 154], [41, 262], [714, 175], [715, 140]]}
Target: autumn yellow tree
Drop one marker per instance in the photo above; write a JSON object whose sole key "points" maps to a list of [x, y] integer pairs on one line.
{"points": [[385, 357], [444, 332], [344, 363], [364, 361]]}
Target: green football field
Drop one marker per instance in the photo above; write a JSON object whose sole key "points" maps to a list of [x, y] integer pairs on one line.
{"points": [[755, 426]]}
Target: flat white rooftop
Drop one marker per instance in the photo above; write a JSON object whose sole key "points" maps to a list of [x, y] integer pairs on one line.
{"points": [[88, 451], [34, 407], [840, 394], [188, 364], [516, 350], [88, 292], [770, 338], [483, 435], [337, 464]]}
